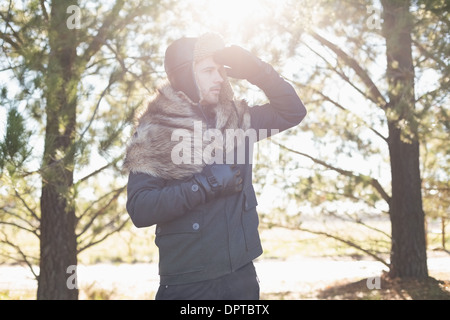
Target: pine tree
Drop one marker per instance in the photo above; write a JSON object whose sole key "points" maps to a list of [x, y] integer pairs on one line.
{"points": [[77, 72], [351, 42]]}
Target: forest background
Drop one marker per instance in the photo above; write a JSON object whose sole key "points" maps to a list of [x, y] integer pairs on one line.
{"points": [[364, 177]]}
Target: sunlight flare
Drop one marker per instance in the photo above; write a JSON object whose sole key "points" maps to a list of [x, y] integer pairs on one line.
{"points": [[232, 17]]}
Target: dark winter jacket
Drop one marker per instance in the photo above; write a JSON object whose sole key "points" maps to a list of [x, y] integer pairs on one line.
{"points": [[201, 240]]}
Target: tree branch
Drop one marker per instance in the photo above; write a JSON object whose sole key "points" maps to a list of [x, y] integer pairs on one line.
{"points": [[24, 257], [347, 242], [112, 24], [7, 24], [126, 69], [360, 222], [103, 32], [339, 73], [31, 211], [7, 39], [92, 242], [32, 228], [375, 94], [93, 173], [17, 226], [44, 10], [428, 54], [102, 95], [374, 182], [102, 210], [337, 104]]}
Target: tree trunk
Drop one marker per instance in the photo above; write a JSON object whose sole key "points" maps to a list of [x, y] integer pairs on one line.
{"points": [[408, 251], [58, 242]]}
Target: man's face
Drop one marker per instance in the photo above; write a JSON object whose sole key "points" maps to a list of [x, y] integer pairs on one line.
{"points": [[209, 80]]}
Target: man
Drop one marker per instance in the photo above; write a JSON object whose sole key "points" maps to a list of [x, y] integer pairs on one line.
{"points": [[198, 191]]}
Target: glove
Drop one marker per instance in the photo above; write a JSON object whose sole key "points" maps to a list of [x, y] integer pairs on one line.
{"points": [[242, 63], [219, 180]]}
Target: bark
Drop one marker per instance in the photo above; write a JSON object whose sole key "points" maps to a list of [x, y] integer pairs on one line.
{"points": [[408, 252], [58, 242]]}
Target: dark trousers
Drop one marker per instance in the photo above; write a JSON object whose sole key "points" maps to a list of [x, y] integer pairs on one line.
{"points": [[242, 284]]}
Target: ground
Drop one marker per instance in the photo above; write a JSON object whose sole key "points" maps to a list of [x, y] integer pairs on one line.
{"points": [[298, 277], [295, 265], [350, 279], [390, 289]]}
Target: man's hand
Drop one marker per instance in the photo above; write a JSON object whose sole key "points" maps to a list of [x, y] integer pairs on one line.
{"points": [[219, 180], [241, 63]]}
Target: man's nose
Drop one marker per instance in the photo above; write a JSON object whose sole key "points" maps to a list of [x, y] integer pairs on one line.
{"points": [[218, 77]]}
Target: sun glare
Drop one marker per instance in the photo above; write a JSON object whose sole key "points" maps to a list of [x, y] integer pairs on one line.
{"points": [[233, 16], [234, 11]]}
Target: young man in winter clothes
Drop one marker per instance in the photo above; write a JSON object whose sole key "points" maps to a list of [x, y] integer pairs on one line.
{"points": [[188, 174]]}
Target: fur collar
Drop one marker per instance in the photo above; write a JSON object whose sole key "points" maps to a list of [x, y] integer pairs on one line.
{"points": [[173, 116]]}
